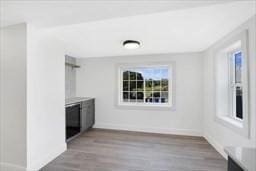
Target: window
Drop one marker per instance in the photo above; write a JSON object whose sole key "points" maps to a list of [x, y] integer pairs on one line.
{"points": [[236, 84], [145, 85], [232, 84]]}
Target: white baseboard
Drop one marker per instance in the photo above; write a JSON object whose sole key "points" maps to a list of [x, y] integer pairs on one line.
{"points": [[187, 132], [11, 167], [37, 165], [216, 145]]}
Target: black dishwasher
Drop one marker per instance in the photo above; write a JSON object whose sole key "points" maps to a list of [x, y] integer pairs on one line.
{"points": [[73, 120]]}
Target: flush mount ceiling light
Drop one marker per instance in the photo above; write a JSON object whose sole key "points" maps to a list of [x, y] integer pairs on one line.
{"points": [[131, 44]]}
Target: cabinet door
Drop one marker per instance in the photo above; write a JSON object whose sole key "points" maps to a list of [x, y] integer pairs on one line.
{"points": [[90, 113], [88, 118], [83, 119], [88, 122], [84, 115], [93, 112]]}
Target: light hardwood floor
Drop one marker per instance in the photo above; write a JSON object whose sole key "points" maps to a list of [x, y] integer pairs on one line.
{"points": [[109, 150]]}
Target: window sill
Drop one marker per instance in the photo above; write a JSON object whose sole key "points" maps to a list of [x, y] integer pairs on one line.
{"points": [[235, 125], [145, 107]]}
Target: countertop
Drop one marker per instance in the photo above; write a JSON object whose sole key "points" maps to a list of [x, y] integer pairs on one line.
{"points": [[244, 157], [76, 100]]}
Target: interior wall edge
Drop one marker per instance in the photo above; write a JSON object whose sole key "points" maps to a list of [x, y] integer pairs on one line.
{"points": [[48, 157], [218, 147]]}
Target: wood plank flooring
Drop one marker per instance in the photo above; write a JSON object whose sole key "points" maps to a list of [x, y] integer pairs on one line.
{"points": [[110, 150]]}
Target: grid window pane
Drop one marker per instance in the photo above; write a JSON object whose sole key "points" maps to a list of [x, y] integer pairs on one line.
{"points": [[140, 76], [148, 74], [125, 85], [164, 85], [238, 67], [156, 100], [239, 102], [140, 85], [149, 100], [164, 97], [157, 85], [140, 95], [164, 74], [156, 94], [126, 96], [133, 75], [146, 85], [133, 95], [126, 75], [149, 96], [149, 85], [132, 85], [157, 74]]}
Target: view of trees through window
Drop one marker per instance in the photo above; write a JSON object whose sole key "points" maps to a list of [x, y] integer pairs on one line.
{"points": [[238, 85], [145, 85]]}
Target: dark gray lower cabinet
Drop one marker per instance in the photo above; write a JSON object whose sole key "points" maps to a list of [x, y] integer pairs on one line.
{"points": [[233, 166], [87, 114]]}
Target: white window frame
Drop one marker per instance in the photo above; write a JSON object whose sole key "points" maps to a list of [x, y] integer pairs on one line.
{"points": [[226, 118], [171, 87]]}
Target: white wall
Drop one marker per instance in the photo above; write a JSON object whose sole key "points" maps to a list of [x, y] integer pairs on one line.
{"points": [[13, 98], [97, 78], [216, 134], [70, 78], [32, 98], [45, 98]]}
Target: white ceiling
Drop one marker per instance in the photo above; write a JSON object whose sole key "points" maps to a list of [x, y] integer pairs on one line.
{"points": [[48, 13], [94, 29]]}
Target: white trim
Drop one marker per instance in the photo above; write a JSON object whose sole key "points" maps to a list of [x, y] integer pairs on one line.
{"points": [[174, 131], [11, 167], [218, 147], [37, 165], [233, 124]]}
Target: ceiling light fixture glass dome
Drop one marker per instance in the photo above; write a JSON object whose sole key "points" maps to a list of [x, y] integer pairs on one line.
{"points": [[131, 44]]}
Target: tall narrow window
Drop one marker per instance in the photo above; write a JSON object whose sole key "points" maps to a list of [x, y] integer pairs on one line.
{"points": [[232, 83], [236, 59], [145, 85]]}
